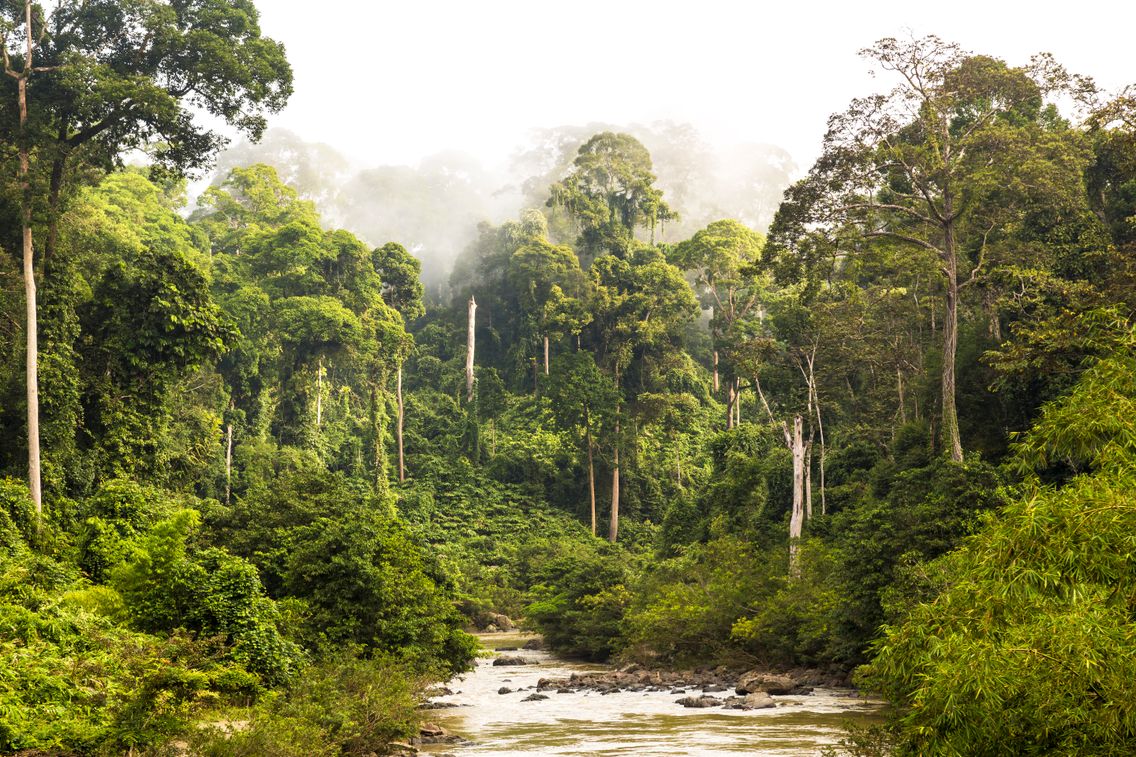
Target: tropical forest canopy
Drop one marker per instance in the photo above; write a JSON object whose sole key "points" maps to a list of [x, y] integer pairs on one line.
{"points": [[253, 465]]}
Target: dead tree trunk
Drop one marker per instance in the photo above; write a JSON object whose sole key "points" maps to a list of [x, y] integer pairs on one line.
{"points": [[228, 461], [729, 405], [546, 363], [469, 346], [796, 443], [399, 425], [319, 394]]}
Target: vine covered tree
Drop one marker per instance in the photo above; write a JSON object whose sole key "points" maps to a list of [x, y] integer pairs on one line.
{"points": [[96, 79]]}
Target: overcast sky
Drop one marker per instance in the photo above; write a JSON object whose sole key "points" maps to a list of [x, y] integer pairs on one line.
{"points": [[390, 81]]}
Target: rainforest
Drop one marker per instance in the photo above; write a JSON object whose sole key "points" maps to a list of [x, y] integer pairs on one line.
{"points": [[268, 471]]}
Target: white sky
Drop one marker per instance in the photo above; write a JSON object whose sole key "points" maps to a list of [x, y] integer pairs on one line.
{"points": [[390, 81]]}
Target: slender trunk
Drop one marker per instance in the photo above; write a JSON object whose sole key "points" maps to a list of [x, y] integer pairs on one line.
{"points": [[228, 462], [35, 486], [613, 529], [950, 430], [378, 422], [715, 371], [797, 445], [737, 402], [319, 394], [399, 425], [591, 471], [809, 481], [729, 405], [469, 345], [546, 364], [820, 429], [899, 390]]}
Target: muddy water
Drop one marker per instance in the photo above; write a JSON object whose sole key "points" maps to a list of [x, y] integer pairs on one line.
{"points": [[625, 723]]}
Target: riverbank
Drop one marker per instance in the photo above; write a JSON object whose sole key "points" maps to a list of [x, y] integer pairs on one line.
{"points": [[547, 706]]}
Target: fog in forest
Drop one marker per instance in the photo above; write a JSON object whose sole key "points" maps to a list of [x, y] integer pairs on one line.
{"points": [[434, 208]]}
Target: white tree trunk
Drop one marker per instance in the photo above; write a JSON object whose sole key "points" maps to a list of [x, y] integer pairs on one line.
{"points": [[797, 518], [399, 424], [228, 462], [469, 345]]}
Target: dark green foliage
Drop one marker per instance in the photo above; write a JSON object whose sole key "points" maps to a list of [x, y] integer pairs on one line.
{"points": [[578, 595], [362, 581]]}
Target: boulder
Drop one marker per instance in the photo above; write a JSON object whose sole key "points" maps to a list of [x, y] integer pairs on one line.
{"points": [[703, 701], [501, 621], [758, 701], [504, 690], [769, 683], [510, 660], [534, 644], [534, 698]]}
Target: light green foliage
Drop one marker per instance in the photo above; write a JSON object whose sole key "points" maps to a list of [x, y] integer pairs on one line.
{"points": [[1024, 645], [346, 706]]}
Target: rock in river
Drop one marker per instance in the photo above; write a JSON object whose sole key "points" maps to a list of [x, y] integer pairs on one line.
{"points": [[509, 660], [703, 701]]}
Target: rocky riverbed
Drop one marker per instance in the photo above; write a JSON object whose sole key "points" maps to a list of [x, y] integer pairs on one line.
{"points": [[526, 702]]}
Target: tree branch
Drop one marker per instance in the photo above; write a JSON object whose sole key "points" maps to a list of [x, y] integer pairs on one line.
{"points": [[905, 238]]}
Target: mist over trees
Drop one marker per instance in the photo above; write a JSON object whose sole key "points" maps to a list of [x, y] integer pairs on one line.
{"points": [[435, 207]]}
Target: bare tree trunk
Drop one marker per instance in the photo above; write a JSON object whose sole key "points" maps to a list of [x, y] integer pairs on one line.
{"points": [[35, 486], [591, 471], [399, 425], [950, 430], [797, 445], [546, 363], [613, 530], [319, 394], [228, 461], [729, 405], [715, 371], [469, 344]]}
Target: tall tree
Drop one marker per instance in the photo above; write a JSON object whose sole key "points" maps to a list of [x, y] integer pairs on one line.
{"points": [[402, 290], [96, 78], [723, 257], [943, 164], [610, 193]]}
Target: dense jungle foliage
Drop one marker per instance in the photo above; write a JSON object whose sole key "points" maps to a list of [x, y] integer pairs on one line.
{"points": [[894, 434]]}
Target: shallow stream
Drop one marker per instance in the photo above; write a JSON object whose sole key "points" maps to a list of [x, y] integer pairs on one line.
{"points": [[624, 723]]}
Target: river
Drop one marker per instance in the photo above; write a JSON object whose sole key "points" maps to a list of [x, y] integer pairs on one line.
{"points": [[624, 723]]}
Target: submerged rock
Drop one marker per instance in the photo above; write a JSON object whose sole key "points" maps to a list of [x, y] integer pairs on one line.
{"points": [[504, 690], [534, 698]]}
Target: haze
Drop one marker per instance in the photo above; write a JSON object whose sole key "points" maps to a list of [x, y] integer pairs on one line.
{"points": [[396, 81], [414, 122]]}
